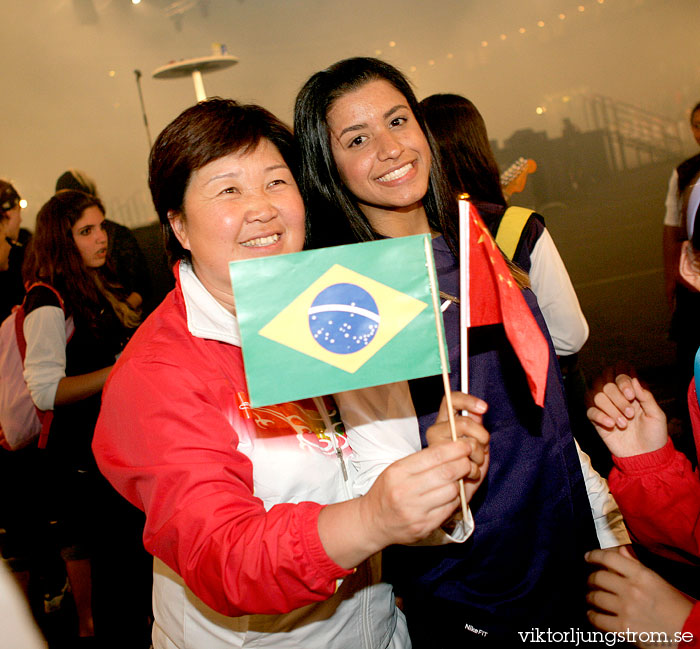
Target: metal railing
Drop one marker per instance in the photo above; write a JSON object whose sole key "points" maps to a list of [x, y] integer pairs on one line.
{"points": [[634, 136]]}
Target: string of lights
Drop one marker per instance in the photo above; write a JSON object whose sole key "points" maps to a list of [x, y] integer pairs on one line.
{"points": [[523, 31]]}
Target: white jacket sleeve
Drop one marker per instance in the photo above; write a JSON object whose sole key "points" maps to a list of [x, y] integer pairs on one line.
{"points": [[382, 427], [557, 298], [673, 212], [609, 524], [45, 361]]}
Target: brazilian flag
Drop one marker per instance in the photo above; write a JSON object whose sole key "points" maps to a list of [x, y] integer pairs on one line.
{"points": [[335, 319]]}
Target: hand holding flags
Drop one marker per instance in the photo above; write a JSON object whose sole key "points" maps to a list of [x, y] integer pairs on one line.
{"points": [[354, 316], [361, 320]]}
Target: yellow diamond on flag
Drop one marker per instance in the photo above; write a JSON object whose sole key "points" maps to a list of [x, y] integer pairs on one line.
{"points": [[343, 319]]}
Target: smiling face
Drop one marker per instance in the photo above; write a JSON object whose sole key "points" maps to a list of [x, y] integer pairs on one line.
{"points": [[90, 237], [241, 206], [381, 152]]}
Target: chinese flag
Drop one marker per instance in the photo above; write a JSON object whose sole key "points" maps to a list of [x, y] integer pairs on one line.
{"points": [[495, 297]]}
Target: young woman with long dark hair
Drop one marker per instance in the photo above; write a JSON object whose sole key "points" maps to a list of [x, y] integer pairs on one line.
{"points": [[77, 322], [368, 171]]}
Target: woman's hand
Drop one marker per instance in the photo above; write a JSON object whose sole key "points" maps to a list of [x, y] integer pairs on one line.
{"points": [[626, 416], [412, 496], [626, 595], [415, 495], [468, 428]]}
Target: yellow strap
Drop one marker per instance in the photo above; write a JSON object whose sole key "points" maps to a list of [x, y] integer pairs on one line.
{"points": [[511, 228]]}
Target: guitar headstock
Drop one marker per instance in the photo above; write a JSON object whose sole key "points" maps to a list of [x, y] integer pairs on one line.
{"points": [[514, 178]]}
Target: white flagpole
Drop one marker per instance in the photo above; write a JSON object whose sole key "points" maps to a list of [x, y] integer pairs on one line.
{"points": [[443, 362], [464, 304]]}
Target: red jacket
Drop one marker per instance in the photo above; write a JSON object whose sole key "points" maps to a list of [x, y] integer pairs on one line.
{"points": [[659, 496], [168, 439]]}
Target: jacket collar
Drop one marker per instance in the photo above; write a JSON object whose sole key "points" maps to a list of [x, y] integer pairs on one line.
{"points": [[206, 318]]}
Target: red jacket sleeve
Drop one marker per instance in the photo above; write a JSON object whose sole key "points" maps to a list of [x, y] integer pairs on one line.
{"points": [[164, 442], [659, 496], [692, 627]]}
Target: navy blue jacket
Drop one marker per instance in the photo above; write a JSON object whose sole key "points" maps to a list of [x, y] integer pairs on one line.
{"points": [[523, 567]]}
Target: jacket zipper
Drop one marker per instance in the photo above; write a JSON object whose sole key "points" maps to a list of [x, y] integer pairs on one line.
{"points": [[330, 431]]}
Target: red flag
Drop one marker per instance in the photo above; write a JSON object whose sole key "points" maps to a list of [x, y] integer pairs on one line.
{"points": [[495, 297]]}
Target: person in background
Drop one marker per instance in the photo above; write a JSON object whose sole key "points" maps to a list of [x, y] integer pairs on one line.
{"points": [[13, 243], [468, 162], [655, 485], [465, 154], [368, 171], [23, 515], [659, 495], [71, 348], [683, 300], [124, 252]]}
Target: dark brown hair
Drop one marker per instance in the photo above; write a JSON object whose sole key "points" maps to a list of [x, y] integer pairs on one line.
{"points": [[334, 214], [52, 257], [463, 145]]}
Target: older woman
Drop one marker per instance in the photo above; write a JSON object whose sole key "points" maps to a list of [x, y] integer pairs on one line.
{"points": [[368, 171], [245, 550]]}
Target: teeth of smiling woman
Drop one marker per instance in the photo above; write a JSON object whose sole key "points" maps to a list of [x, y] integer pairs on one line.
{"points": [[261, 241], [398, 173]]}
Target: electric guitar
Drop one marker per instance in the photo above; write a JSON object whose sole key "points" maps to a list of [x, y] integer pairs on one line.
{"points": [[514, 178]]}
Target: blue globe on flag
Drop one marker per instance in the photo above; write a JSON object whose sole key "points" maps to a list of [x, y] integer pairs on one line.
{"points": [[343, 318]]}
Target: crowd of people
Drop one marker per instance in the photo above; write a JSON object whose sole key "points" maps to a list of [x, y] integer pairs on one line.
{"points": [[159, 478]]}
